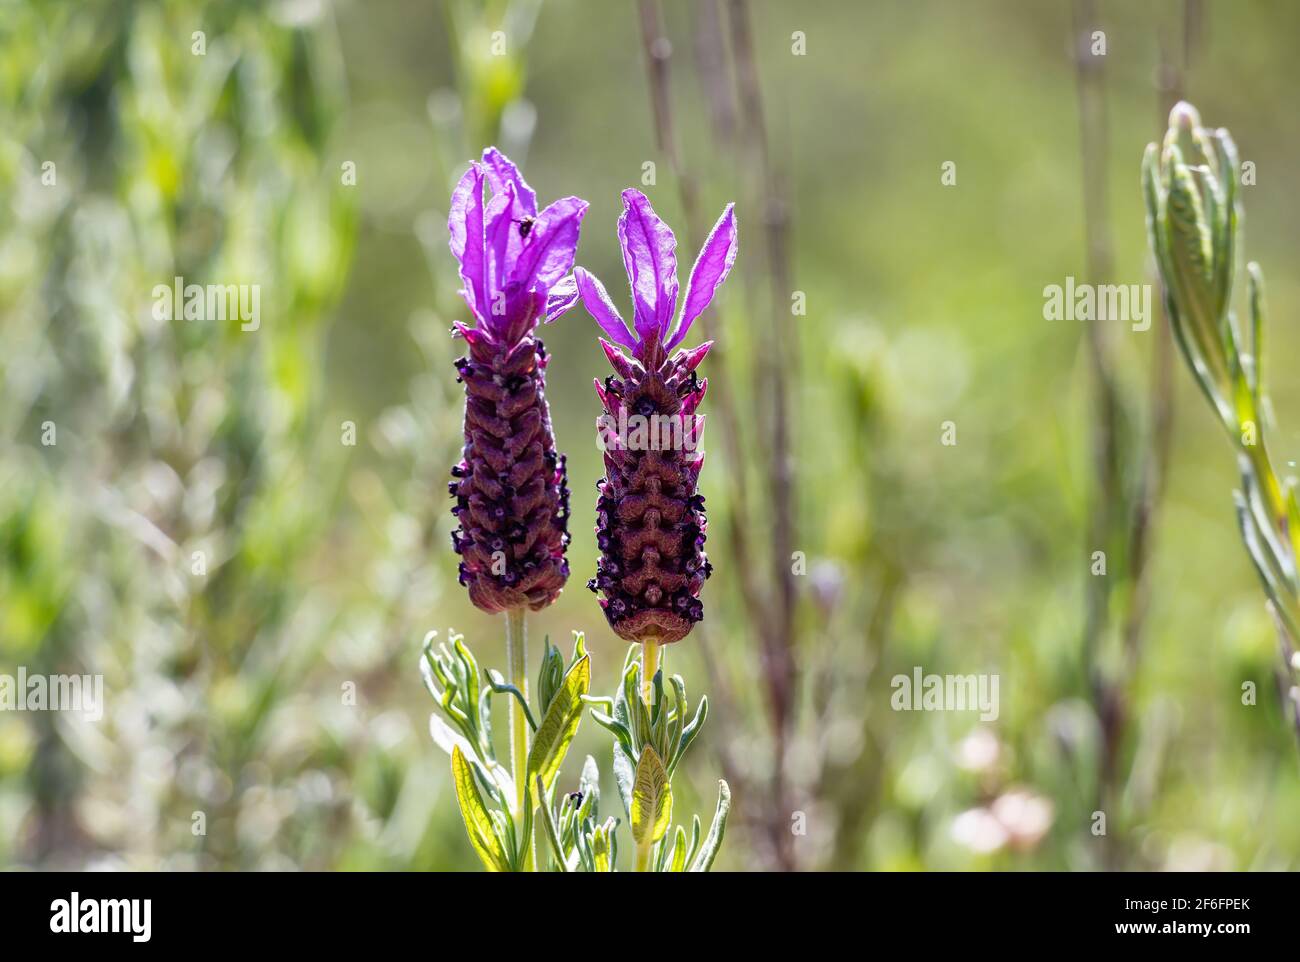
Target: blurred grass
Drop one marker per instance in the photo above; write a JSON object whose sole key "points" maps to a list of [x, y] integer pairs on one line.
{"points": [[329, 563]]}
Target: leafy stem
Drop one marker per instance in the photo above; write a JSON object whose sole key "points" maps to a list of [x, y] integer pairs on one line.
{"points": [[499, 807], [1190, 189], [517, 658]]}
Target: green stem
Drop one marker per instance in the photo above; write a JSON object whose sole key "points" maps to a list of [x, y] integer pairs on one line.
{"points": [[643, 856], [649, 667], [517, 658]]}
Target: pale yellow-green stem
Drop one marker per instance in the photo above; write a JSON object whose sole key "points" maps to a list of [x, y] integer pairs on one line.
{"points": [[517, 659], [649, 666], [643, 856]]}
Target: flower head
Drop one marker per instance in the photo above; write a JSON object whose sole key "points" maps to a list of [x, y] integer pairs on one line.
{"points": [[650, 523], [512, 500]]}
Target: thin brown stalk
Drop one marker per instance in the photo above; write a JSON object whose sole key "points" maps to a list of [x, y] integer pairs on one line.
{"points": [[781, 358], [1111, 511], [1107, 506], [711, 65], [1170, 89]]}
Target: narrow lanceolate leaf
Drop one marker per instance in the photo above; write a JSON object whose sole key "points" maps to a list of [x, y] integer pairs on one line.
{"points": [[589, 783], [703, 860], [678, 863], [447, 740], [552, 830], [624, 776], [1293, 524], [695, 839], [497, 682], [559, 725], [689, 733], [614, 727], [652, 798], [1255, 290], [475, 815], [603, 850]]}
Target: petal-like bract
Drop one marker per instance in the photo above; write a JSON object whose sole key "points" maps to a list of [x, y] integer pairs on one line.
{"points": [[710, 270], [465, 223], [549, 248], [598, 305], [649, 255]]}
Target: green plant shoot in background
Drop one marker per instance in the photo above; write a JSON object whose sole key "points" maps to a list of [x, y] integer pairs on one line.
{"points": [[1190, 186]]}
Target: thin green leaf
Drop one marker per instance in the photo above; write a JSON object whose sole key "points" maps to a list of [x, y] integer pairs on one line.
{"points": [[696, 831], [429, 672], [560, 724], [478, 823], [485, 723], [589, 785], [446, 739], [678, 862], [471, 671], [579, 649], [497, 682], [660, 715], [680, 706], [601, 847], [1227, 167], [1255, 292], [624, 776], [642, 725], [627, 695], [615, 728], [552, 830], [550, 675], [689, 733], [703, 860], [524, 841]]}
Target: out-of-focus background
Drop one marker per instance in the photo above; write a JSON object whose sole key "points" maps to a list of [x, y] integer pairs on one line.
{"points": [[199, 531]]}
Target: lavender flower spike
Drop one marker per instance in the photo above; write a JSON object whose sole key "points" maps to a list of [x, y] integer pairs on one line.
{"points": [[650, 521], [512, 500]]}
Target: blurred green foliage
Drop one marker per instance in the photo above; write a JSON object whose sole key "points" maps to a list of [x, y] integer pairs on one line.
{"points": [[229, 693]]}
